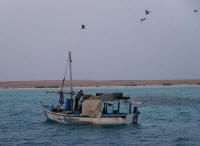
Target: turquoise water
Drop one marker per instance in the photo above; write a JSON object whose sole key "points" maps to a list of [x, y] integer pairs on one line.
{"points": [[170, 116]]}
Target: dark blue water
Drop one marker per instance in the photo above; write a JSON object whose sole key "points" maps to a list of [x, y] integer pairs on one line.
{"points": [[170, 116]]}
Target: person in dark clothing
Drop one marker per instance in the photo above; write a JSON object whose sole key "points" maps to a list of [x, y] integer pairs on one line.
{"points": [[78, 97], [135, 115]]}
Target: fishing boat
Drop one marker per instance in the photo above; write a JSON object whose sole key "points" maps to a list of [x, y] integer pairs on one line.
{"points": [[81, 108]]}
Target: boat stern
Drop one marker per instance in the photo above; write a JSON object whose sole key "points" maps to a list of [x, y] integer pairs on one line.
{"points": [[129, 119]]}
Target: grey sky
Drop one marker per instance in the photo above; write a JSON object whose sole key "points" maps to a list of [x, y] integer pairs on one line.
{"points": [[35, 36]]}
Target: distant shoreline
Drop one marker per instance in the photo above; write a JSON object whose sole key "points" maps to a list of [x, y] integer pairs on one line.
{"points": [[95, 83]]}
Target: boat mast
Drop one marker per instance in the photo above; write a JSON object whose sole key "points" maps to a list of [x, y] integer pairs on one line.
{"points": [[71, 90]]}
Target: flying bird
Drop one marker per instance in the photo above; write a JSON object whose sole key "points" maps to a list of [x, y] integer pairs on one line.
{"points": [[143, 19], [82, 26], [147, 12], [195, 11]]}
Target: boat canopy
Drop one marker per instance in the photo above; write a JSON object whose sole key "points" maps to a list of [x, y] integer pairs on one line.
{"points": [[134, 102], [106, 97]]}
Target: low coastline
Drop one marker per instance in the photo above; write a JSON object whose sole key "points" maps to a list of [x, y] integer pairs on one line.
{"points": [[95, 83]]}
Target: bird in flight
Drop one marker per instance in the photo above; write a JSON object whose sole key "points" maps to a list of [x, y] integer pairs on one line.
{"points": [[143, 19], [147, 12], [82, 26], [195, 11]]}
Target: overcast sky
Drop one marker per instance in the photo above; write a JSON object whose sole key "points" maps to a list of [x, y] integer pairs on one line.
{"points": [[35, 36]]}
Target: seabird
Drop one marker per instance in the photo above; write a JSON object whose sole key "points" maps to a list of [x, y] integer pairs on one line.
{"points": [[82, 26], [147, 12], [143, 19], [195, 11]]}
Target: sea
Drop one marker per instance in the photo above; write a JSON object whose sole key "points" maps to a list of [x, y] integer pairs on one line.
{"points": [[170, 116]]}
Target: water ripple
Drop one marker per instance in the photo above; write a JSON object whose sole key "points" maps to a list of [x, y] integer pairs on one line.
{"points": [[169, 116]]}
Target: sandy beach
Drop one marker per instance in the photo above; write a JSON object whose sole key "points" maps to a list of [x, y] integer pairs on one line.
{"points": [[95, 83]]}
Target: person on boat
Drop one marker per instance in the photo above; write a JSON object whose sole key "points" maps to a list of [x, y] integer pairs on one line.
{"points": [[78, 97], [135, 115]]}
